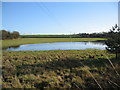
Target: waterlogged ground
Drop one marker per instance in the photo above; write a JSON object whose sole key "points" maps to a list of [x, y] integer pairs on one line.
{"points": [[65, 69], [22, 41], [59, 46]]}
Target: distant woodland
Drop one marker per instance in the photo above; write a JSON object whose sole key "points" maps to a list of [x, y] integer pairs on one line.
{"points": [[9, 35], [4, 34]]}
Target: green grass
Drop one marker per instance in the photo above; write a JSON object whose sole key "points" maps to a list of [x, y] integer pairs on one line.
{"points": [[62, 69], [77, 69], [50, 36], [21, 41]]}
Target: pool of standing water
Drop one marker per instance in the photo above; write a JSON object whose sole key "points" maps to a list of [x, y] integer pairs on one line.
{"points": [[58, 46]]}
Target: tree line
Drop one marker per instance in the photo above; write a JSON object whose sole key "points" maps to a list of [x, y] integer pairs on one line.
{"points": [[9, 35], [93, 35]]}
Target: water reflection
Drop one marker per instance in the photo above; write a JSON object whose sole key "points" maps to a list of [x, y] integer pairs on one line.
{"points": [[98, 42], [13, 47], [58, 46]]}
